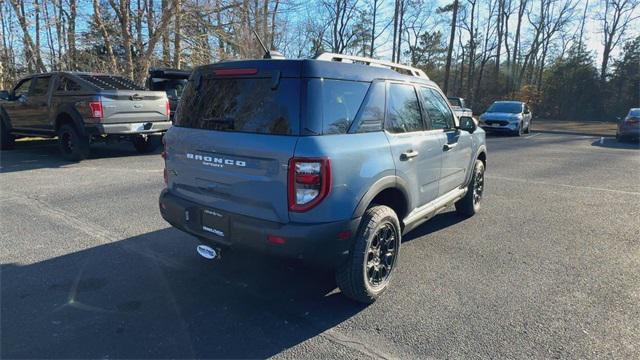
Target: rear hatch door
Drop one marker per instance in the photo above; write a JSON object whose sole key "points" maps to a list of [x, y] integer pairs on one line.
{"points": [[235, 130]]}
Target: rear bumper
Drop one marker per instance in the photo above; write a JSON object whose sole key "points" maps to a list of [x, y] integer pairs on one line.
{"points": [[629, 131], [317, 244], [128, 128]]}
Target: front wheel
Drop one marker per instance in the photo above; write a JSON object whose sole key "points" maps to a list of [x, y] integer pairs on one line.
{"points": [[146, 143], [367, 273], [528, 129], [7, 140], [469, 205]]}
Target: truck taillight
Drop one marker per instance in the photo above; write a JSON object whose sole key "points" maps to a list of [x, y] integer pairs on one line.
{"points": [[96, 109], [309, 182], [168, 109]]}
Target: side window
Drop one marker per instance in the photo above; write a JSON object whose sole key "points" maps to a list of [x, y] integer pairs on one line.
{"points": [[22, 88], [65, 84], [436, 107], [332, 105], [403, 109], [371, 115], [41, 86]]}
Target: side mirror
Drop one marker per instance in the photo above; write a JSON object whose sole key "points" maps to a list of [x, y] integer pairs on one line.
{"points": [[467, 124], [5, 95]]}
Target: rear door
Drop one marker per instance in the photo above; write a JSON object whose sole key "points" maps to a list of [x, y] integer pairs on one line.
{"points": [[38, 103], [416, 152], [232, 141], [456, 144]]}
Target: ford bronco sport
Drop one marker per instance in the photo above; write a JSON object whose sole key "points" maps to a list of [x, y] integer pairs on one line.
{"points": [[329, 160]]}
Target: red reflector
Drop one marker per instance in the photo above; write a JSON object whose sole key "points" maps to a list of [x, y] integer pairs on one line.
{"points": [[168, 109], [276, 240], [96, 109], [231, 72], [343, 235], [163, 154], [308, 179]]}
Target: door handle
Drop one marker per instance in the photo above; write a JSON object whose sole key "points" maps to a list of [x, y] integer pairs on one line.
{"points": [[448, 147], [408, 155]]}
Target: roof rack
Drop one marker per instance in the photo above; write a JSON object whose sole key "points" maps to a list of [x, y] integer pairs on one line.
{"points": [[403, 69]]}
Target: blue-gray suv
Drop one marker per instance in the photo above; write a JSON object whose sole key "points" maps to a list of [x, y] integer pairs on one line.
{"points": [[330, 160]]}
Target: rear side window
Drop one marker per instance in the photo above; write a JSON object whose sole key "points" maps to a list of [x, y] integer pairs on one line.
{"points": [[66, 84], [41, 86], [437, 109], [332, 105], [371, 115], [403, 109], [109, 82], [241, 105]]}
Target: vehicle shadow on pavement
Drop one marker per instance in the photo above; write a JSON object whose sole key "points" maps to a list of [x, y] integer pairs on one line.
{"points": [[39, 154], [436, 223], [612, 143], [151, 296]]}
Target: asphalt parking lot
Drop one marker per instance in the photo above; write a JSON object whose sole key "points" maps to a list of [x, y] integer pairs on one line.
{"points": [[548, 269]]}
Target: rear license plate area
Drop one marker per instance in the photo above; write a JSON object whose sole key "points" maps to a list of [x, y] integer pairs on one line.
{"points": [[215, 222]]}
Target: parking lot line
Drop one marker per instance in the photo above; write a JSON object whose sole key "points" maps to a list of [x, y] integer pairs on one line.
{"points": [[562, 185]]}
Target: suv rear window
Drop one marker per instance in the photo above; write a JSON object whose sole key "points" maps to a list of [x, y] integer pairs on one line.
{"points": [[242, 105]]}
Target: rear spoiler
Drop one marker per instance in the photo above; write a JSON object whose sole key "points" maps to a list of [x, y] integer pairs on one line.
{"points": [[169, 73]]}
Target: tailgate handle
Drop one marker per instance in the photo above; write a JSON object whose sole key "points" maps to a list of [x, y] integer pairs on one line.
{"points": [[136, 97]]}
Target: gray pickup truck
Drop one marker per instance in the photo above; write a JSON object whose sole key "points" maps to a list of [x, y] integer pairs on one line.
{"points": [[82, 108]]}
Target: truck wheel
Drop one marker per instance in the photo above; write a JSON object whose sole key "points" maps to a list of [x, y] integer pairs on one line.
{"points": [[7, 141], [146, 143], [469, 205], [367, 272], [73, 146]]}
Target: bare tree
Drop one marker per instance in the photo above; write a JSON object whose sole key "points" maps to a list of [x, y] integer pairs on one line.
{"points": [[617, 17], [452, 36]]}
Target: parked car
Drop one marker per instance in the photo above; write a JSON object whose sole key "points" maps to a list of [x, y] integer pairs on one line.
{"points": [[459, 107], [171, 81], [629, 127], [326, 160], [512, 117], [81, 108]]}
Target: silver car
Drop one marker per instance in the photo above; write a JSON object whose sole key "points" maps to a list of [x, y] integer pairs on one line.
{"points": [[513, 117]]}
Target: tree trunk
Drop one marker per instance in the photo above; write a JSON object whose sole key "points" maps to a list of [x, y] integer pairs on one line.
{"points": [[452, 35], [165, 40], [177, 35], [97, 15], [33, 58], [71, 34]]}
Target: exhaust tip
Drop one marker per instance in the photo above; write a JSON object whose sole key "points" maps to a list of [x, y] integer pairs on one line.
{"points": [[207, 252]]}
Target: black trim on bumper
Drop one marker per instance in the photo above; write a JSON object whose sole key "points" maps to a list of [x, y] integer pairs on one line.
{"points": [[317, 244]]}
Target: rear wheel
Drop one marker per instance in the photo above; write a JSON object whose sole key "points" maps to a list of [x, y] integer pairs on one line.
{"points": [[367, 273], [469, 205], [7, 141], [146, 143], [73, 145]]}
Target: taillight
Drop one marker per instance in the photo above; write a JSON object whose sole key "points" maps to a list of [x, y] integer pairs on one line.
{"points": [[309, 182], [632, 120], [96, 109], [168, 109]]}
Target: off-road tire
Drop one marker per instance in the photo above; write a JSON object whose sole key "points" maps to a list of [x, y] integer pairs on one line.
{"points": [[469, 205], [73, 145], [146, 144], [351, 276], [7, 140]]}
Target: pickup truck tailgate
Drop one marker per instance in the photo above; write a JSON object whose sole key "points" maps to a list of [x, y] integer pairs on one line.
{"points": [[132, 106]]}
